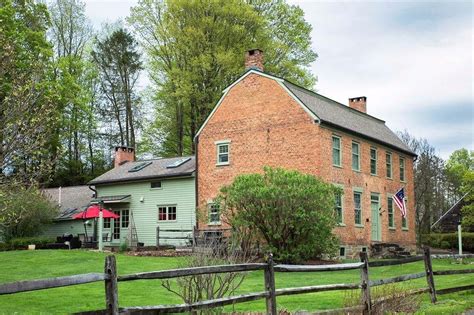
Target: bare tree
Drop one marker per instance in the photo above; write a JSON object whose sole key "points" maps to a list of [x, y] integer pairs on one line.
{"points": [[214, 251]]}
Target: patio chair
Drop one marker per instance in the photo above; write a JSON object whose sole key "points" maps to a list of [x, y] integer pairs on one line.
{"points": [[105, 237]]}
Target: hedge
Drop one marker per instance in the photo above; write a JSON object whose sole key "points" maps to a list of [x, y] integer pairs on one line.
{"points": [[448, 240], [23, 242]]}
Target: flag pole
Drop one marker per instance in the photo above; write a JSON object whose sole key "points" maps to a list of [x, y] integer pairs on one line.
{"points": [[460, 239]]}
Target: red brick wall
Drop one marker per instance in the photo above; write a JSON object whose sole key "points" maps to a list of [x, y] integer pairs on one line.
{"points": [[266, 126]]}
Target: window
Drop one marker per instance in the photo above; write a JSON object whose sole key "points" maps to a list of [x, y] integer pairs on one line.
{"points": [[391, 218], [342, 252], [125, 218], [355, 156], [404, 223], [223, 149], [357, 208], [167, 213], [388, 163], [404, 219], [336, 151], [155, 185], [402, 169], [214, 213], [373, 161], [106, 223], [338, 209]]}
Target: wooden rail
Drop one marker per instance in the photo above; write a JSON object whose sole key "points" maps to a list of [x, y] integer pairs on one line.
{"points": [[111, 280]]}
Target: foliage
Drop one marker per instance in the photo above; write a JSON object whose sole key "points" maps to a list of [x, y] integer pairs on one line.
{"points": [[292, 212], [448, 240], [460, 170], [27, 98], [123, 247], [23, 211], [118, 60], [23, 242], [433, 191], [196, 48]]}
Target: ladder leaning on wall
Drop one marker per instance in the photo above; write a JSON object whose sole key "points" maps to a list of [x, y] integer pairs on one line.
{"points": [[132, 236]]}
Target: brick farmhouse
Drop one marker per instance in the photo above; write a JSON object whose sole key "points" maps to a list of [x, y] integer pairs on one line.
{"points": [[263, 120]]}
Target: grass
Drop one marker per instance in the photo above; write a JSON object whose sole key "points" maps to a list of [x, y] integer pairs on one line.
{"points": [[26, 265]]}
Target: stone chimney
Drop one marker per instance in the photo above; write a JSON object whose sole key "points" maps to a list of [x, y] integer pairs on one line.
{"points": [[359, 103], [123, 155], [254, 59]]}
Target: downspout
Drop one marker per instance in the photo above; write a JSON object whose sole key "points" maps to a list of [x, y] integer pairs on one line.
{"points": [[196, 171]]}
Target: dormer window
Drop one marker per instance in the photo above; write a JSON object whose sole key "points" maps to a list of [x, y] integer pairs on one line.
{"points": [[223, 152]]}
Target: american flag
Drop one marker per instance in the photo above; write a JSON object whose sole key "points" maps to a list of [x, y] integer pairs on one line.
{"points": [[399, 199]]}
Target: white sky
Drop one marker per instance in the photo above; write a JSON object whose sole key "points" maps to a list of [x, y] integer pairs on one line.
{"points": [[413, 61]]}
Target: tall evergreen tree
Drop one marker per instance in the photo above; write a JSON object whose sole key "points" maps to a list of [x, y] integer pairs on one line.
{"points": [[119, 65]]}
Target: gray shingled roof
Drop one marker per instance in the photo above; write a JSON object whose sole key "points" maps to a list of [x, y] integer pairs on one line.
{"points": [[74, 199], [341, 116], [158, 168]]}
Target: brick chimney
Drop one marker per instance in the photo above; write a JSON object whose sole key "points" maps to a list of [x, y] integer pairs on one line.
{"points": [[123, 155], [358, 103], [254, 59]]}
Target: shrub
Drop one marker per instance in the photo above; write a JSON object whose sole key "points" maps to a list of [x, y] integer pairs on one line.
{"points": [[448, 240], [387, 299], [23, 242], [292, 212], [23, 211]]}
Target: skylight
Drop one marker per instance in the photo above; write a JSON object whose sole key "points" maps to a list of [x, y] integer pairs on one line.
{"points": [[178, 163], [139, 167]]}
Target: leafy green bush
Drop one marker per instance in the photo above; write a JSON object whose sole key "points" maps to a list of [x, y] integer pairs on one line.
{"points": [[23, 242], [448, 240], [24, 211], [292, 212]]}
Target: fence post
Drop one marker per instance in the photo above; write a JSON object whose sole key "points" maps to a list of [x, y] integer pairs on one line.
{"points": [[111, 288], [364, 283], [158, 237], [429, 273], [270, 286]]}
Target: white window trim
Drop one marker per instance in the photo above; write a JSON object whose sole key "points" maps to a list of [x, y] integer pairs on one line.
{"points": [[358, 155], [340, 150], [209, 205], [167, 212], [218, 144], [156, 188]]}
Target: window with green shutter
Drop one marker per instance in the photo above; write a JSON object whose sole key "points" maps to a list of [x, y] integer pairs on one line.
{"points": [[373, 161], [402, 169], [388, 164], [391, 219], [355, 156], [336, 151], [357, 208], [338, 209]]}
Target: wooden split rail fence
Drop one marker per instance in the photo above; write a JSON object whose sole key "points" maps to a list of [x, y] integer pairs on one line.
{"points": [[111, 280]]}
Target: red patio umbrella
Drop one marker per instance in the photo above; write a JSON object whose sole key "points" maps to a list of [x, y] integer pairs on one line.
{"points": [[93, 212]]}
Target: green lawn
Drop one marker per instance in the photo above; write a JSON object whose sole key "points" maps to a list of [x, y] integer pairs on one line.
{"points": [[25, 265]]}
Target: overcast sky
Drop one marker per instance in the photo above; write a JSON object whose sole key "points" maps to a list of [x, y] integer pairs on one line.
{"points": [[413, 61]]}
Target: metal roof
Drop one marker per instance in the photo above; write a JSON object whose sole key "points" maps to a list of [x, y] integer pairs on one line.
{"points": [[158, 168]]}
